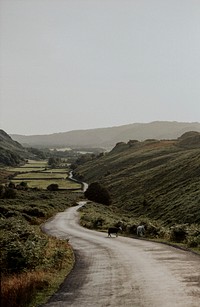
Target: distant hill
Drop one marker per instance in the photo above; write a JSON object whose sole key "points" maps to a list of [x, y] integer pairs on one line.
{"points": [[108, 137], [158, 179], [11, 152]]}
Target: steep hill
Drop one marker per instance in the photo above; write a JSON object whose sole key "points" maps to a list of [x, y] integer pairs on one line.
{"points": [[157, 179], [108, 137], [11, 152]]}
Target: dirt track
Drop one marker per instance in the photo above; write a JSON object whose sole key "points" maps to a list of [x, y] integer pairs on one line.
{"points": [[122, 271]]}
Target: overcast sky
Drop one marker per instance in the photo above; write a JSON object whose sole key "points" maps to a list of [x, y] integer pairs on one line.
{"points": [[82, 64]]}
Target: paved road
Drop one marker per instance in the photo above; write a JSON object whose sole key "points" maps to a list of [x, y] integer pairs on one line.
{"points": [[123, 271]]}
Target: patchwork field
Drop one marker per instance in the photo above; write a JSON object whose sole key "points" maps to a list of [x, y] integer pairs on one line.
{"points": [[38, 174]]}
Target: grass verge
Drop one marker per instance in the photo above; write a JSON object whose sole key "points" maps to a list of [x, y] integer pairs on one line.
{"points": [[99, 217], [33, 288]]}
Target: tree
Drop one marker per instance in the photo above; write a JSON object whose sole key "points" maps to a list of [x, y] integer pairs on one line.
{"points": [[96, 192], [53, 162]]}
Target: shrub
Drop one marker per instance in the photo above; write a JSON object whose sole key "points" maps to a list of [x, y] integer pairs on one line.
{"points": [[2, 191], [193, 242], [34, 212], [22, 248], [11, 185], [52, 187], [98, 193], [7, 192], [178, 233], [10, 193], [131, 229], [152, 230], [22, 186], [97, 222]]}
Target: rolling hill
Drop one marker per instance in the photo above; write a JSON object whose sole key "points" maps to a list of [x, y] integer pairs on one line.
{"points": [[158, 179], [107, 137], [11, 152]]}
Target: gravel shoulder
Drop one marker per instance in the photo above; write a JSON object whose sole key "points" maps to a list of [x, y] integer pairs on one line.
{"points": [[123, 271]]}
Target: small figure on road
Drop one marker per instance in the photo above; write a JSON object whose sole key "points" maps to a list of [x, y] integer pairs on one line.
{"points": [[140, 231], [114, 230]]}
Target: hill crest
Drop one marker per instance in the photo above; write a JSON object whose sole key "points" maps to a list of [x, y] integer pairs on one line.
{"points": [[108, 137]]}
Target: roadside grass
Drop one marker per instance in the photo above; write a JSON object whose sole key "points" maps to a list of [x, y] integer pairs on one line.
{"points": [[17, 290], [62, 263], [33, 265], [99, 217], [33, 288]]}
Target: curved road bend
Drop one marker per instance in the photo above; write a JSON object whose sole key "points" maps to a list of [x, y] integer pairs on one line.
{"points": [[123, 271]]}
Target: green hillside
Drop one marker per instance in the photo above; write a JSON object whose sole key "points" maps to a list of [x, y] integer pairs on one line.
{"points": [[156, 179], [11, 152]]}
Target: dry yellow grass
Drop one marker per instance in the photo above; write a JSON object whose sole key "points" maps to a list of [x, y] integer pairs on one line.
{"points": [[33, 288], [18, 290]]}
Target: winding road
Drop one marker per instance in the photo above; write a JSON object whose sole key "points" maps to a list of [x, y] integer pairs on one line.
{"points": [[123, 271]]}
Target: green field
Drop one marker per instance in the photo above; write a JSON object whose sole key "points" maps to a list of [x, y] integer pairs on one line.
{"points": [[37, 174], [41, 175], [43, 184], [56, 170], [30, 166]]}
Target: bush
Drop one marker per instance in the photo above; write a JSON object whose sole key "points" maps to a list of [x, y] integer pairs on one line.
{"points": [[2, 191], [11, 185], [23, 184], [152, 230], [34, 212], [7, 192], [52, 187], [193, 242], [10, 193], [98, 193], [97, 222], [131, 229], [178, 233], [22, 248]]}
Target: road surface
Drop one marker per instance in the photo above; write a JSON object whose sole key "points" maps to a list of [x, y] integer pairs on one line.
{"points": [[123, 271]]}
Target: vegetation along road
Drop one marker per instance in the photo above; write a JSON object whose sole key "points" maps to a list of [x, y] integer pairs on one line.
{"points": [[123, 271]]}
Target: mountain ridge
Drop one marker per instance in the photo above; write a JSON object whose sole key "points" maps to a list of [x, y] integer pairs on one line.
{"points": [[107, 137]]}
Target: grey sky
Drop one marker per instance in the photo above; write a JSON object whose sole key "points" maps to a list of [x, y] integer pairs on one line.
{"points": [[81, 64]]}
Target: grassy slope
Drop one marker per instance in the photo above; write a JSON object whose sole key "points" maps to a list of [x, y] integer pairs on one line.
{"points": [[11, 152], [157, 179], [21, 238], [20, 220]]}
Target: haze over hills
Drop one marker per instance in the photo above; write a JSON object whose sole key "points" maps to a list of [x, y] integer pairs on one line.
{"points": [[108, 137]]}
